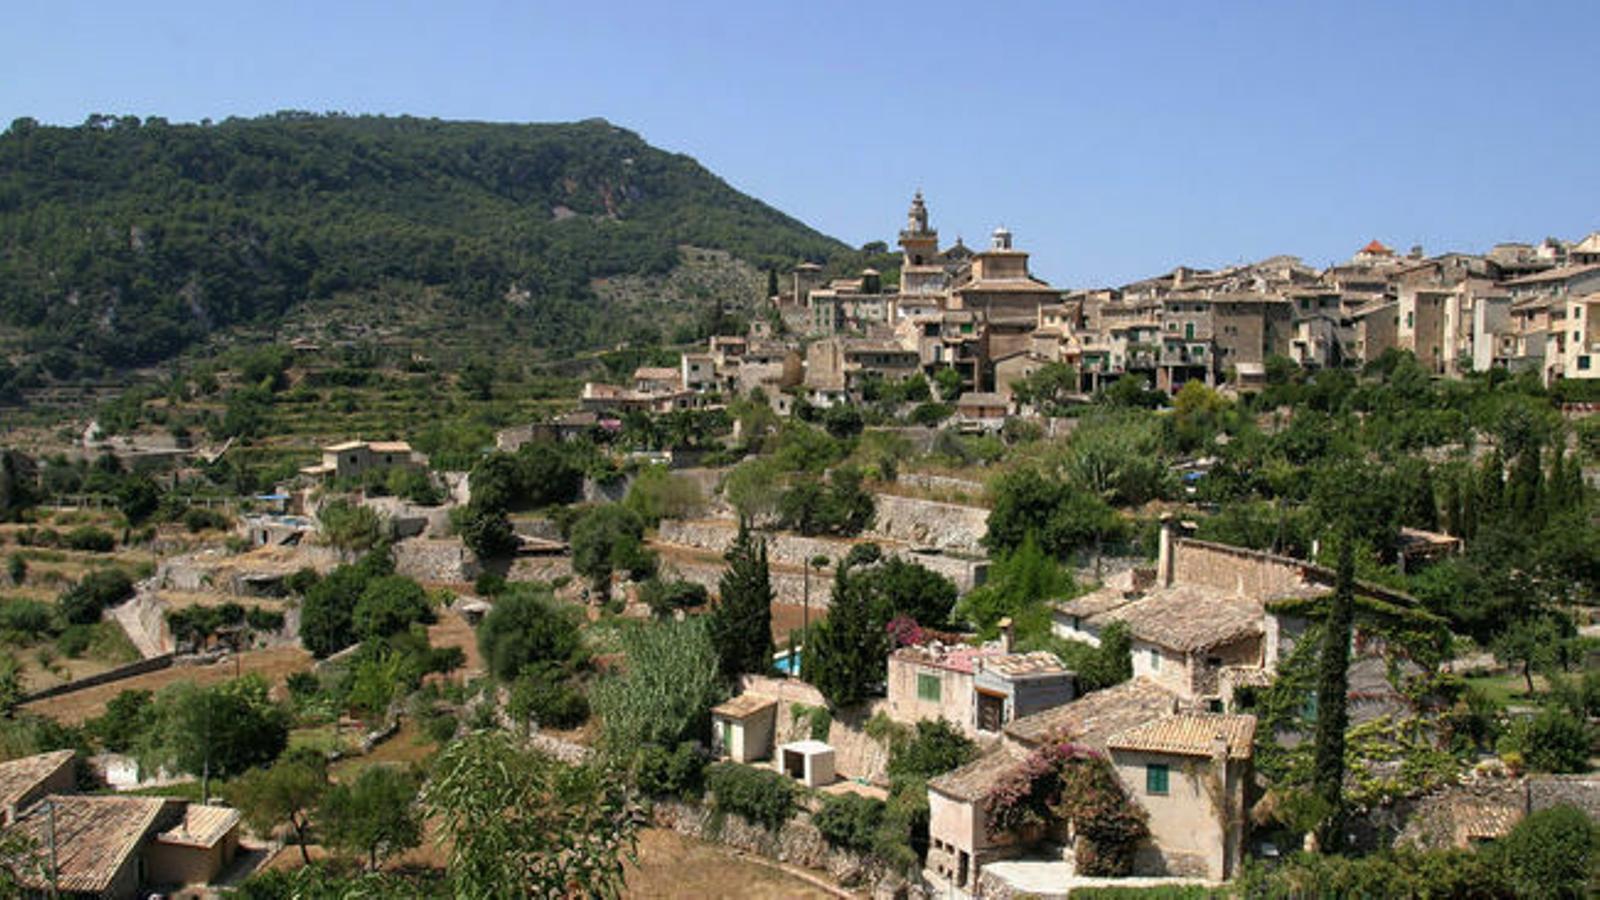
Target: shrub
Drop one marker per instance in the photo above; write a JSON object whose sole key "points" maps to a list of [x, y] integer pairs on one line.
{"points": [[660, 772], [75, 640], [90, 539], [664, 597], [260, 619], [83, 603], [759, 795], [1552, 853], [543, 696], [28, 619], [527, 627], [849, 821], [198, 519]]}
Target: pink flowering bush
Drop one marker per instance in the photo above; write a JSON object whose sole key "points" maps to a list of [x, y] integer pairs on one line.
{"points": [[1067, 782]]}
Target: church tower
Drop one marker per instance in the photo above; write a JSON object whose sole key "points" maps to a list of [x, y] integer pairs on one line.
{"points": [[920, 243], [922, 269]]}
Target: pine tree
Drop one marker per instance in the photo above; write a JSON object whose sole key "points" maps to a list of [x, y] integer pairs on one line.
{"points": [[845, 658], [772, 283], [1333, 683], [741, 627]]}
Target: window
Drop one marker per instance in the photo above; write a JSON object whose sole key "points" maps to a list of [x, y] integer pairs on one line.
{"points": [[928, 687], [1155, 660], [1155, 779], [1583, 362]]}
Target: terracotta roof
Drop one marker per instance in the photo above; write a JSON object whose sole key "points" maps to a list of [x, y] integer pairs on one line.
{"points": [[938, 656], [1560, 274], [1190, 734], [1007, 285], [1377, 248], [202, 826], [1025, 665], [94, 837], [1094, 718], [1189, 617], [390, 447], [347, 445], [976, 779], [654, 373], [20, 777], [743, 706]]}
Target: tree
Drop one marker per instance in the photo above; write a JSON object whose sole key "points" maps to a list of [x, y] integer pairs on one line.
{"points": [[221, 730], [521, 823], [665, 692], [1019, 584], [477, 379], [327, 612], [83, 603], [374, 817], [527, 627], [1530, 642], [1047, 388], [1061, 518], [1552, 853], [125, 721], [741, 624], [842, 421], [948, 381], [845, 655], [1333, 684], [898, 587], [608, 539], [286, 792], [350, 528], [487, 531], [390, 605]]}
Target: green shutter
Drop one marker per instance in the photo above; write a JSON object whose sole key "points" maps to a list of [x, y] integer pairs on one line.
{"points": [[928, 687], [1155, 779]]}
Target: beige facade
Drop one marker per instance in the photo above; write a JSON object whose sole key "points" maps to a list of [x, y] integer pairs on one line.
{"points": [[742, 729], [354, 459]]}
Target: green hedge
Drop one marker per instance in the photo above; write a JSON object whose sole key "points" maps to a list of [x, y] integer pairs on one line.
{"points": [[760, 795]]}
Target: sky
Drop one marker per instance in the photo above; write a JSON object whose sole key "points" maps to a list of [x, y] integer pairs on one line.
{"points": [[1115, 139]]}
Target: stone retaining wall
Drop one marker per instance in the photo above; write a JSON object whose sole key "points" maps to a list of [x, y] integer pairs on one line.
{"points": [[797, 843], [717, 535], [128, 671], [436, 559], [926, 523]]}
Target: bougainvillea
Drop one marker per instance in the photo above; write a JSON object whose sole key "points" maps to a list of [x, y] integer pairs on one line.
{"points": [[1067, 782]]}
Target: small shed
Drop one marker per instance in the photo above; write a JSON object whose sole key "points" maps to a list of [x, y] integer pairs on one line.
{"points": [[809, 762], [742, 728]]}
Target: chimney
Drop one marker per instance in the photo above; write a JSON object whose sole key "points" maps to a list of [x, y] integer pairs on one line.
{"points": [[1007, 634], [1164, 552]]}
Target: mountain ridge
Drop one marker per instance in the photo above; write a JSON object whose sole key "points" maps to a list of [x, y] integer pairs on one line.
{"points": [[125, 241]]}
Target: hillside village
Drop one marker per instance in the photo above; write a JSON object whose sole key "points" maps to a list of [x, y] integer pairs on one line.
{"points": [[923, 582], [983, 316]]}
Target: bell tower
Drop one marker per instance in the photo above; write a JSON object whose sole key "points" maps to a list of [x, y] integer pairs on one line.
{"points": [[920, 243]]}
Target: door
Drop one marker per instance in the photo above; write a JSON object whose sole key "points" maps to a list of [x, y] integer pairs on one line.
{"points": [[991, 711]]}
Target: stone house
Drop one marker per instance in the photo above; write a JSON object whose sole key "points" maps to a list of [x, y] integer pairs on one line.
{"points": [[1375, 328], [976, 689], [353, 459], [111, 846], [742, 728], [1189, 772], [982, 411]]}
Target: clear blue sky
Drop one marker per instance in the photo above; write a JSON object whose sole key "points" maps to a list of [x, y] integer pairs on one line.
{"points": [[1116, 139]]}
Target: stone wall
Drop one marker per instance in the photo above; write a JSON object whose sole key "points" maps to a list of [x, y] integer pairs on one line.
{"points": [[926, 523], [435, 559], [797, 843], [785, 549]]}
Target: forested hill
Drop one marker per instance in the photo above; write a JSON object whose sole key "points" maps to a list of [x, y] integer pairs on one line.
{"points": [[124, 241]]}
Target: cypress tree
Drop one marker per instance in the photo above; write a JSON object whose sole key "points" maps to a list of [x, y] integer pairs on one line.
{"points": [[845, 657], [1333, 683], [741, 627]]}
